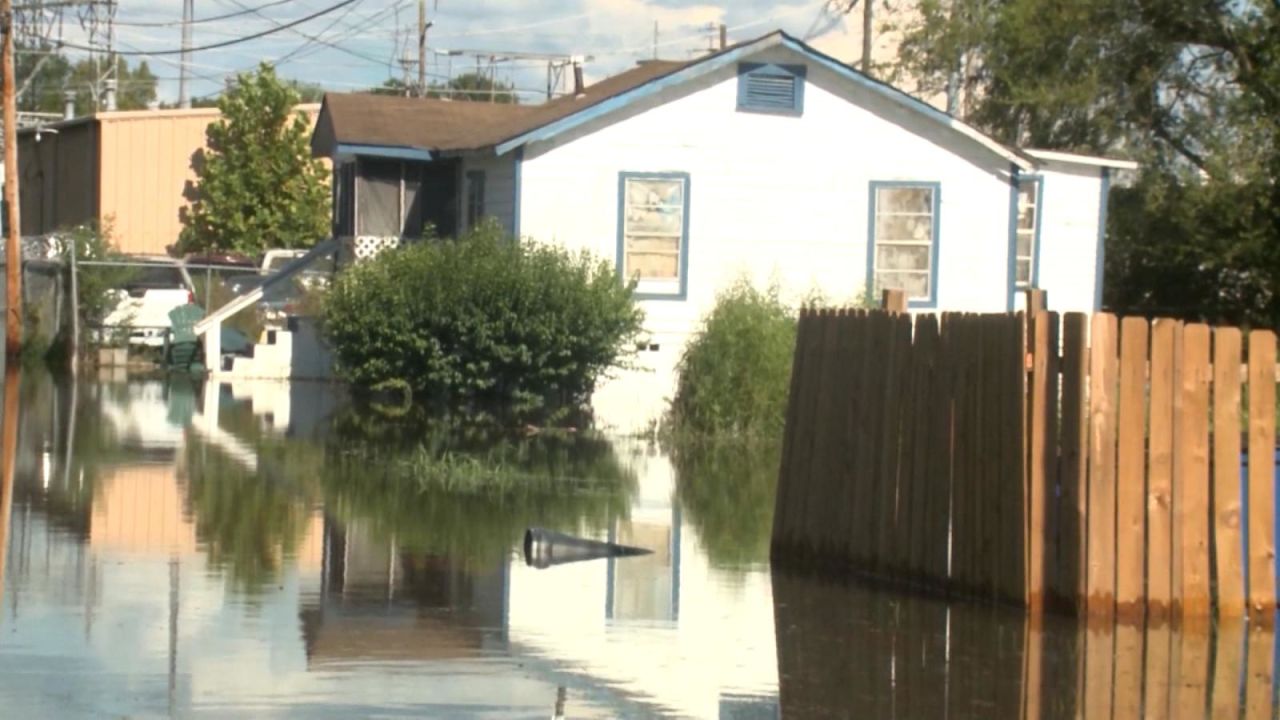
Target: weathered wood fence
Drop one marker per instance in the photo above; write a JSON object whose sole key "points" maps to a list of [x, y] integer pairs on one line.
{"points": [[1089, 463]]}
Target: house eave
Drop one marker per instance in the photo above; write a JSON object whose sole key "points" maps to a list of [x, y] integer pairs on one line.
{"points": [[1077, 159]]}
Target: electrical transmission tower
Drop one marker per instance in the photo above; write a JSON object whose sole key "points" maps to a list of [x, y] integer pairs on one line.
{"points": [[97, 19]]}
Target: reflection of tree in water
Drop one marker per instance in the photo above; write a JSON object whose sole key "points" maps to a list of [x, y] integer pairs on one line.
{"points": [[470, 492], [726, 490], [250, 521], [443, 487]]}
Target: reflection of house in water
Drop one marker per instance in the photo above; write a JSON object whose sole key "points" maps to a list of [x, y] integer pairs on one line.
{"points": [[691, 639], [379, 602]]}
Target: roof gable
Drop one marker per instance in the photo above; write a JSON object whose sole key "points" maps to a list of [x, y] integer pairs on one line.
{"points": [[698, 68]]}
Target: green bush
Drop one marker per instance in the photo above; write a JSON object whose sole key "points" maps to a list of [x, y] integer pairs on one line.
{"points": [[735, 373], [482, 321]]}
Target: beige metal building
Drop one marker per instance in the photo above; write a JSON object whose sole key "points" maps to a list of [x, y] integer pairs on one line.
{"points": [[130, 168]]}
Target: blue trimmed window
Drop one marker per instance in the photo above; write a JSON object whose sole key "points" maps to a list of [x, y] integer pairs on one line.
{"points": [[653, 233], [902, 248], [1026, 246], [768, 88]]}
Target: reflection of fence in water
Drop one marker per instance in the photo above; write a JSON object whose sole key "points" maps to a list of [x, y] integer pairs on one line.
{"points": [[851, 652]]}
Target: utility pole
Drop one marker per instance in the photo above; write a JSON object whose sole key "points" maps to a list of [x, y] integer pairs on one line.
{"points": [[13, 238], [422, 48], [188, 11], [868, 17]]}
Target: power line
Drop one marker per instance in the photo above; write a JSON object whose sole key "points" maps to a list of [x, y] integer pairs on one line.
{"points": [[197, 21], [236, 41]]}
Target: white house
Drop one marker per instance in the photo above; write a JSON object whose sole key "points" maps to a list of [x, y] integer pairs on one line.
{"points": [[767, 160]]}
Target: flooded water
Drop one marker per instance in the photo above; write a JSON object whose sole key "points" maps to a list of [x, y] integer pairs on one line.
{"points": [[180, 549]]}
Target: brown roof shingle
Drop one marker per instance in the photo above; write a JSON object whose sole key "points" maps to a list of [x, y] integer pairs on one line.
{"points": [[446, 125]]}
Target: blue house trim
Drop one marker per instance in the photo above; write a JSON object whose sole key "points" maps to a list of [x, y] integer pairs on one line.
{"points": [[517, 187], [1013, 235], [797, 74], [1015, 184], [1101, 256], [935, 253], [384, 151], [619, 257], [734, 55]]}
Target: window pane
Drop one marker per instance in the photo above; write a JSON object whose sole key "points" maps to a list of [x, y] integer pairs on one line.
{"points": [[1024, 243], [655, 220], [378, 198], [904, 228], [653, 258], [916, 285], [1024, 271], [902, 257], [904, 200], [655, 192]]}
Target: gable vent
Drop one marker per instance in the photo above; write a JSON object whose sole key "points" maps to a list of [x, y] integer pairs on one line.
{"points": [[771, 89]]}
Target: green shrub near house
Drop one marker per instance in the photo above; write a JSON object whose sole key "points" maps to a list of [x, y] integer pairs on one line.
{"points": [[482, 322], [735, 373]]}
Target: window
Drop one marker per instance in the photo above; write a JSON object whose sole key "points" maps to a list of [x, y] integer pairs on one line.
{"points": [[904, 239], [475, 197], [775, 89], [378, 196], [653, 232], [1027, 234]]}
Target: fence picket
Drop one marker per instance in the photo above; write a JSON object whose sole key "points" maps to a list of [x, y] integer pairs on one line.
{"points": [[1075, 460], [1102, 466], [1038, 489], [1191, 461], [1228, 540], [1262, 447], [1160, 480], [1130, 470]]}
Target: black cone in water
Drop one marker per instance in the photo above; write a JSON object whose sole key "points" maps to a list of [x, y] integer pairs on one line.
{"points": [[544, 548]]}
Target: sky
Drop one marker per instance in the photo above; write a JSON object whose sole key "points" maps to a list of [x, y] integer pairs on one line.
{"points": [[371, 35]]}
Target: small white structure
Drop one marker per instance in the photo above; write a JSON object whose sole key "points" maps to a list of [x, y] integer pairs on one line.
{"points": [[767, 160]]}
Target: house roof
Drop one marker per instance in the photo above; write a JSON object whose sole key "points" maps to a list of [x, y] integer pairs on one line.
{"points": [[1075, 159], [419, 127], [356, 120]]}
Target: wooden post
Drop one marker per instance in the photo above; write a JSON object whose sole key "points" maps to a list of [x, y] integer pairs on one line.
{"points": [[1228, 537], [1043, 343], [13, 236], [8, 458], [1262, 449], [1102, 466], [1191, 461], [894, 300], [1131, 501], [1037, 302]]}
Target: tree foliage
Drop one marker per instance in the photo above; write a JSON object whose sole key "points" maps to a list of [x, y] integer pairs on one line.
{"points": [[1189, 88], [517, 328], [257, 186], [43, 74]]}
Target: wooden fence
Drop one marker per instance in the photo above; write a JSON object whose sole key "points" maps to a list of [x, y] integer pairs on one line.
{"points": [[1085, 462]]}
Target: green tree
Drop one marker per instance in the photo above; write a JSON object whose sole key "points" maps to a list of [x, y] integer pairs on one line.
{"points": [[476, 87], [1189, 89], [257, 186]]}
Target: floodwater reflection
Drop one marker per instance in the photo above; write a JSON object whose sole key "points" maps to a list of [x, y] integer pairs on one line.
{"points": [[269, 550], [848, 651]]}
